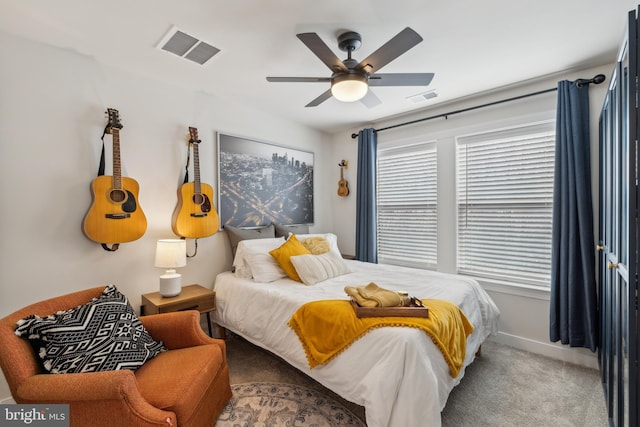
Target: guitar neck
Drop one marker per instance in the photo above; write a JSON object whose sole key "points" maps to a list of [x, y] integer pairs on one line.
{"points": [[196, 169], [117, 170]]}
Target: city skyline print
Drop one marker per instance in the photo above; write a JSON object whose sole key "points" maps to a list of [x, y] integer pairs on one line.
{"points": [[260, 183]]}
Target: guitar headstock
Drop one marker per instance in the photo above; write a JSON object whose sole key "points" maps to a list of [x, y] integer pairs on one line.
{"points": [[193, 135], [113, 121]]}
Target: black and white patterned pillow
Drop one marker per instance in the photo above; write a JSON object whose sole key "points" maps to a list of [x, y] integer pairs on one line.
{"points": [[103, 335]]}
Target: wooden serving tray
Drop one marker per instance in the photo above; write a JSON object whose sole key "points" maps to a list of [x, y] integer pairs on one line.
{"points": [[389, 311]]}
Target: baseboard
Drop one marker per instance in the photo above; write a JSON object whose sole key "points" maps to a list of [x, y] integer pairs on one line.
{"points": [[7, 401], [578, 356]]}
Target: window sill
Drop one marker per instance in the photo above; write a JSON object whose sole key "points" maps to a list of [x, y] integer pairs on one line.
{"points": [[511, 288]]}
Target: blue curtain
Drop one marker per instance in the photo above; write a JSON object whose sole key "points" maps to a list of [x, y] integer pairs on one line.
{"points": [[573, 309], [366, 232]]}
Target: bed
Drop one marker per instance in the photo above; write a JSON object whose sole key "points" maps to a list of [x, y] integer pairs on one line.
{"points": [[397, 373]]}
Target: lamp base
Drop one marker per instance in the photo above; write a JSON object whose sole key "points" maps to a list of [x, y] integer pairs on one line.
{"points": [[170, 285]]}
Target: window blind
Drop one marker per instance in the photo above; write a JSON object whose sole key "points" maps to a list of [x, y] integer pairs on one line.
{"points": [[504, 197], [407, 205]]}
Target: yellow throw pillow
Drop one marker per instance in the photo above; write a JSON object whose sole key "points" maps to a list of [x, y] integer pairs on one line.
{"points": [[291, 247], [317, 245]]}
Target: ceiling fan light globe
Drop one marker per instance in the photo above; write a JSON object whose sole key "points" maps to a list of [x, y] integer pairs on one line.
{"points": [[349, 87]]}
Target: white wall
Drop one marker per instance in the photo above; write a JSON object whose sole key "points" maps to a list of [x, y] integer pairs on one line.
{"points": [[52, 114], [524, 312]]}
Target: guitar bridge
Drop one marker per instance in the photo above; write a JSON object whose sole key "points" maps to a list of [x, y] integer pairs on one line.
{"points": [[117, 216], [199, 215]]}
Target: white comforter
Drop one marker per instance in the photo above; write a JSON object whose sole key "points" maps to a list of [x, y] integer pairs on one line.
{"points": [[396, 373]]}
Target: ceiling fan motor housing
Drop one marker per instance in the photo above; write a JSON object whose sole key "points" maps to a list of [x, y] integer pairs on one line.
{"points": [[351, 75], [350, 63]]}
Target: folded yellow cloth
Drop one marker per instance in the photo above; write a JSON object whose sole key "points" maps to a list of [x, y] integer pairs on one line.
{"points": [[326, 328], [372, 295]]}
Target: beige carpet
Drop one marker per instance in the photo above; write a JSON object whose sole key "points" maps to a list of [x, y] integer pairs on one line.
{"points": [[503, 387]]}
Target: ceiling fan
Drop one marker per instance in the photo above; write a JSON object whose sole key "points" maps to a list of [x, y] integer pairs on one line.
{"points": [[351, 79]]}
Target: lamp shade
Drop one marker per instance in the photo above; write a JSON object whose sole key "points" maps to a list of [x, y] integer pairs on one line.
{"points": [[349, 87], [171, 253]]}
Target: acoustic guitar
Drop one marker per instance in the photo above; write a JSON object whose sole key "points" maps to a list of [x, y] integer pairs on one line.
{"points": [[194, 215], [115, 216], [343, 188]]}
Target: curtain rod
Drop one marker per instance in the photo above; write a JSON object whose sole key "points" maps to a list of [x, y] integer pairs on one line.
{"points": [[579, 82]]}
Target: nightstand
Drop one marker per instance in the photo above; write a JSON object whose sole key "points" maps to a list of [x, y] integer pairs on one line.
{"points": [[192, 297]]}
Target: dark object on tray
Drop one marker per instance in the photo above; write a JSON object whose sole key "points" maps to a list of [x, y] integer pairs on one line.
{"points": [[407, 311]]}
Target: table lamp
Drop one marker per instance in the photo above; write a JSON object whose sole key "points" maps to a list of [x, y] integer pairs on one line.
{"points": [[170, 254]]}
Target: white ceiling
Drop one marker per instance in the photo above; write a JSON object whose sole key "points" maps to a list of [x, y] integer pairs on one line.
{"points": [[472, 46]]}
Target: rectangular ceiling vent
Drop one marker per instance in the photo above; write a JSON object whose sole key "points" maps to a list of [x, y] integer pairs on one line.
{"points": [[187, 46], [422, 97]]}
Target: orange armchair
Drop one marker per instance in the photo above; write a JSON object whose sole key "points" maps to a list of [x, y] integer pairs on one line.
{"points": [[188, 385]]}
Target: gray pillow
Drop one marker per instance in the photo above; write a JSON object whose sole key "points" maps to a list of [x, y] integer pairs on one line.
{"points": [[236, 234], [284, 230]]}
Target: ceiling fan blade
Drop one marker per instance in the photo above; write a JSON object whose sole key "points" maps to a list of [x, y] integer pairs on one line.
{"points": [[402, 42], [319, 100], [370, 100], [401, 79], [322, 51], [299, 79]]}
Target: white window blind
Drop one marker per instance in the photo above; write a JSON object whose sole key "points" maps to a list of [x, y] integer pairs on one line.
{"points": [[407, 203], [504, 196]]}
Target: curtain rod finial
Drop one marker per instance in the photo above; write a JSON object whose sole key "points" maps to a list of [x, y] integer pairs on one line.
{"points": [[354, 135], [596, 80]]}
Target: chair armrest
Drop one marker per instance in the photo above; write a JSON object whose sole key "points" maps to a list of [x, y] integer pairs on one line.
{"points": [[114, 393], [78, 387], [179, 330]]}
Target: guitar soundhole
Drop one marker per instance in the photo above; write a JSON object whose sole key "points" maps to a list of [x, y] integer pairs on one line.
{"points": [[202, 200], [198, 198], [117, 196]]}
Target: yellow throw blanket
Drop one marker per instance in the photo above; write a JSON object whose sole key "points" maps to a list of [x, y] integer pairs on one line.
{"points": [[326, 328]]}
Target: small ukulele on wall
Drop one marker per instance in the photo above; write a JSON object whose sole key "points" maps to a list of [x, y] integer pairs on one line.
{"points": [[194, 215], [343, 187], [115, 216]]}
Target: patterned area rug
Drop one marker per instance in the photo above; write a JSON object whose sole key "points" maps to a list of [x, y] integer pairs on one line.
{"points": [[270, 404]]}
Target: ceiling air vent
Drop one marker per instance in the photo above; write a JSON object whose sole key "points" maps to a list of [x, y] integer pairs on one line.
{"points": [[422, 97], [187, 46]]}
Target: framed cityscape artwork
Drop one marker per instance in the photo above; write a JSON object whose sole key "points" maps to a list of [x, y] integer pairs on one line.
{"points": [[260, 183]]}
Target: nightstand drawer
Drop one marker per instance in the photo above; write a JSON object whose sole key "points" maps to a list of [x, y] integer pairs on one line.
{"points": [[192, 297], [202, 304]]}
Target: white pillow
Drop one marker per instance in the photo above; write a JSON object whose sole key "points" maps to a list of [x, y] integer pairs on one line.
{"points": [[264, 267], [317, 268], [253, 246]]}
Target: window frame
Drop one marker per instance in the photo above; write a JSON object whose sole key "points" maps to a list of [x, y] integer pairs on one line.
{"points": [[444, 132], [429, 245], [539, 205]]}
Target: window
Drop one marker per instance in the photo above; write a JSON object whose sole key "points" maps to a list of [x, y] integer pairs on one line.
{"points": [[504, 200], [407, 198]]}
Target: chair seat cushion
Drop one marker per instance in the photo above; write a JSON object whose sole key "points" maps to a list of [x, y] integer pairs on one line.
{"points": [[178, 380]]}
